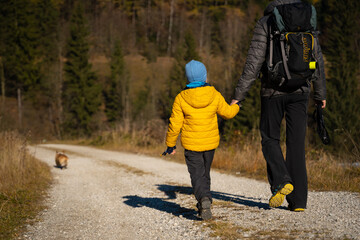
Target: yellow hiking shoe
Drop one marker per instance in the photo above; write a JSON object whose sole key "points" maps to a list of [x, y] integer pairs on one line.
{"points": [[278, 197]]}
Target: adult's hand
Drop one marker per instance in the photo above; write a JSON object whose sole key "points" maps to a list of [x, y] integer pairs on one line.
{"points": [[234, 101], [322, 103]]}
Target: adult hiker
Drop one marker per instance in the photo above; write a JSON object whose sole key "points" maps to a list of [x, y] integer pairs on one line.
{"points": [[285, 50]]}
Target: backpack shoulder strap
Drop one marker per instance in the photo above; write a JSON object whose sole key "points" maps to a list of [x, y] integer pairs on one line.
{"points": [[315, 42], [313, 21], [283, 55], [279, 20], [271, 50]]}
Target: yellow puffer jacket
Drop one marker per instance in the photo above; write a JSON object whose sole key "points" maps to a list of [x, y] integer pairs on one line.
{"points": [[194, 113]]}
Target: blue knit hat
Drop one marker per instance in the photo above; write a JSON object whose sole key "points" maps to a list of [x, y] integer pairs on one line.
{"points": [[195, 71]]}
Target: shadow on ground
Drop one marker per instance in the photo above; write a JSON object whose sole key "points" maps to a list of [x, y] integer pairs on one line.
{"points": [[171, 191], [55, 166], [161, 205]]}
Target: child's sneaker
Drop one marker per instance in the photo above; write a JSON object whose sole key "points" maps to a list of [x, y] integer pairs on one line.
{"points": [[204, 208], [279, 195]]}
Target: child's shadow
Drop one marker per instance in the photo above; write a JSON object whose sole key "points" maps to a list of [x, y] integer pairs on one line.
{"points": [[161, 205], [171, 191]]}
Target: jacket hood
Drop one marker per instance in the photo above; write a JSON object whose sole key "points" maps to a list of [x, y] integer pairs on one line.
{"points": [[275, 3], [199, 97]]}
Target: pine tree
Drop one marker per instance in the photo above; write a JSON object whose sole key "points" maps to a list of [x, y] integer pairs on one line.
{"points": [[142, 102], [47, 16], [113, 94], [340, 41], [190, 47], [19, 41], [217, 15], [81, 95]]}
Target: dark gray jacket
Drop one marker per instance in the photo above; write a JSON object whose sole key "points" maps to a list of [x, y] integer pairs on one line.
{"points": [[257, 59]]}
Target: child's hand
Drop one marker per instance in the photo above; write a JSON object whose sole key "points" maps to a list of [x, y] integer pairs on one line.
{"points": [[169, 150]]}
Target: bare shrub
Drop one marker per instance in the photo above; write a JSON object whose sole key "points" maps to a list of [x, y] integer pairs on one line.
{"points": [[155, 131], [13, 159], [17, 167]]}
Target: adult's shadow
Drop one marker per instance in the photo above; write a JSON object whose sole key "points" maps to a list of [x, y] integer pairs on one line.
{"points": [[172, 190], [161, 205]]}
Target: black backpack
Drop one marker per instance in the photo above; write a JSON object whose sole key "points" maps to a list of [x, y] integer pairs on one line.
{"points": [[291, 62]]}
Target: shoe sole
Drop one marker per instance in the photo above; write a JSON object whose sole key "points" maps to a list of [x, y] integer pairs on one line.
{"points": [[298, 210], [205, 211], [277, 199]]}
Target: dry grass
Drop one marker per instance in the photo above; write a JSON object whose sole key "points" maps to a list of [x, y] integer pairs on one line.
{"points": [[147, 138], [224, 229], [327, 173], [23, 180], [242, 157]]}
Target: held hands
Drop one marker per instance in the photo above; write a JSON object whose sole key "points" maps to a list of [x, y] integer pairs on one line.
{"points": [[234, 101], [169, 150]]}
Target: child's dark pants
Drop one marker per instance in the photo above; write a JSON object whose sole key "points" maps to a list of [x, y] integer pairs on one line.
{"points": [[293, 170], [199, 164]]}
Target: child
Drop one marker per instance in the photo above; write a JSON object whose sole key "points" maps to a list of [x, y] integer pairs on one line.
{"points": [[194, 114]]}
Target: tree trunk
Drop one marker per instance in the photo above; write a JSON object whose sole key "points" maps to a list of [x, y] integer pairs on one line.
{"points": [[160, 26], [19, 107], [170, 26], [58, 96], [133, 22], [127, 114], [148, 19], [202, 26], [2, 77]]}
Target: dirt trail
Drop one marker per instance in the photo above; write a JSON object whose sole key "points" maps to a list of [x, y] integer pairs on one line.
{"points": [[114, 195]]}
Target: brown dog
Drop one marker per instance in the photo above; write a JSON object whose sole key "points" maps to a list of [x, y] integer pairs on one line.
{"points": [[61, 160]]}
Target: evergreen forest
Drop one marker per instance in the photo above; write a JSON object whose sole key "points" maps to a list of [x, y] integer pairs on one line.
{"points": [[75, 68]]}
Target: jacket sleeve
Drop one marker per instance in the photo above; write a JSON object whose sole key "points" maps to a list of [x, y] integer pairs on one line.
{"points": [[319, 81], [225, 110], [176, 122], [254, 61]]}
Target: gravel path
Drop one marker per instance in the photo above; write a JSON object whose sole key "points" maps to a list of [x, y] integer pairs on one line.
{"points": [[114, 195]]}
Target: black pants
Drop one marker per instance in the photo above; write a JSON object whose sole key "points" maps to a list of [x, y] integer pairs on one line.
{"points": [[293, 170], [199, 164]]}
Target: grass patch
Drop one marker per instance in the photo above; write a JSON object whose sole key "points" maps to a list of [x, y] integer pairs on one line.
{"points": [[224, 229], [23, 181], [277, 234], [126, 168], [327, 173]]}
